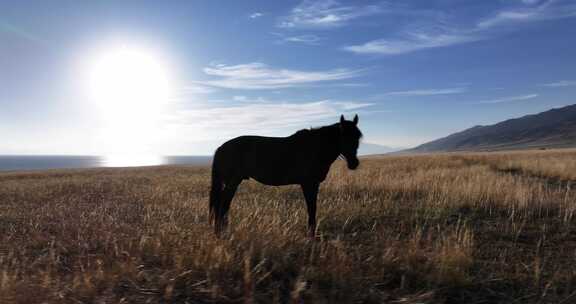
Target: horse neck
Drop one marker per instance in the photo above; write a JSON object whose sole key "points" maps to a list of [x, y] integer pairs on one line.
{"points": [[327, 142]]}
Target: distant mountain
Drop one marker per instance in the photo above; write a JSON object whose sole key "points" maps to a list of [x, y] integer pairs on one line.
{"points": [[370, 149], [555, 128]]}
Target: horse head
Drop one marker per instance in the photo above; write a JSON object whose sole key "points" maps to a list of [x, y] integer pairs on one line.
{"points": [[349, 140]]}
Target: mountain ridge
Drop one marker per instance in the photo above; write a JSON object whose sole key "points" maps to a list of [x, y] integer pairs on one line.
{"points": [[554, 128]]}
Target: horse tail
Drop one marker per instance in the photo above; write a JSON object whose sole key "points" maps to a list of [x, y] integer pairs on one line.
{"points": [[216, 189]]}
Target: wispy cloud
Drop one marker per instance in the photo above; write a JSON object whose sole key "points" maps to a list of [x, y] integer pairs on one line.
{"points": [[531, 2], [532, 11], [256, 15], [351, 105], [411, 42], [259, 76], [325, 14], [442, 34], [309, 39], [561, 83], [507, 99], [11, 29], [426, 92], [195, 91], [246, 99], [303, 39], [232, 120]]}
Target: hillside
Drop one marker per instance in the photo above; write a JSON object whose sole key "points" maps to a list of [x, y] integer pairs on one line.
{"points": [[555, 128]]}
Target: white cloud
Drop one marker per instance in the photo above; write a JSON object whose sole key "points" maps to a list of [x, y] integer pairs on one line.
{"points": [[207, 123], [199, 130], [304, 39], [325, 14], [411, 42], [440, 35], [348, 105], [256, 15], [190, 92], [242, 98], [239, 98], [260, 76], [508, 99], [561, 83], [426, 92], [547, 10]]}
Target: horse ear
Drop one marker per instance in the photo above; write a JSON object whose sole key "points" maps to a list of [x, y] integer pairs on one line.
{"points": [[342, 118], [356, 119]]}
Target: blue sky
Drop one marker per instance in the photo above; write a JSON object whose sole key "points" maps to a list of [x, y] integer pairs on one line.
{"points": [[413, 70]]}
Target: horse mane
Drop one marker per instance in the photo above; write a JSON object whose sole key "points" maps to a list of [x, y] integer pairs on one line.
{"points": [[324, 131], [306, 133]]}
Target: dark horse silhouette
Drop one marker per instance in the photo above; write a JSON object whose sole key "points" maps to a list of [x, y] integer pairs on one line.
{"points": [[303, 158]]}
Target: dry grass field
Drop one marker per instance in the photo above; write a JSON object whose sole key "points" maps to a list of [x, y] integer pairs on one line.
{"points": [[452, 228]]}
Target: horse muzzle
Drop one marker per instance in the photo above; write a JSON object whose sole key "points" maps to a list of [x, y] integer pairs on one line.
{"points": [[353, 163]]}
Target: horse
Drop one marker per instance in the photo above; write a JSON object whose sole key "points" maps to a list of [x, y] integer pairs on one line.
{"points": [[303, 158]]}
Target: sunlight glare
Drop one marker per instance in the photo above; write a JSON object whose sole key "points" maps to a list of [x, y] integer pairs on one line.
{"points": [[128, 81], [132, 160], [130, 88]]}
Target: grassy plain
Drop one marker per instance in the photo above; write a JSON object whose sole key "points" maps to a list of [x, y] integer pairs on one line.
{"points": [[449, 228]]}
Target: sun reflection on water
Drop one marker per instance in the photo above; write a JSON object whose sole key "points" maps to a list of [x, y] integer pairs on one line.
{"points": [[131, 160]]}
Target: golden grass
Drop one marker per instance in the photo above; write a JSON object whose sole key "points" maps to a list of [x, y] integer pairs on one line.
{"points": [[451, 228]]}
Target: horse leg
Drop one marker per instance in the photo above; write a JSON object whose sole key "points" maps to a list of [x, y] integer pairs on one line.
{"points": [[311, 194], [227, 196]]}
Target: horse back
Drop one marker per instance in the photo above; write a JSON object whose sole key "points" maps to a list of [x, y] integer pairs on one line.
{"points": [[270, 160]]}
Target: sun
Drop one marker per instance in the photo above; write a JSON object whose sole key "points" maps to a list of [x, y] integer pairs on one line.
{"points": [[129, 88], [125, 80]]}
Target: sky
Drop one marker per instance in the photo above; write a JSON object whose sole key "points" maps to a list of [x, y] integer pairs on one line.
{"points": [[182, 77]]}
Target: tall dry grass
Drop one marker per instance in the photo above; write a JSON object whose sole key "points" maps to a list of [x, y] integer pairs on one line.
{"points": [[453, 228]]}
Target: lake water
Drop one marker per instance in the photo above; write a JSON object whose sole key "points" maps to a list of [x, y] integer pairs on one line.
{"points": [[42, 162]]}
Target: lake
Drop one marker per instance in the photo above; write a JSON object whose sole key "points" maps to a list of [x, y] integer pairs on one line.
{"points": [[42, 162]]}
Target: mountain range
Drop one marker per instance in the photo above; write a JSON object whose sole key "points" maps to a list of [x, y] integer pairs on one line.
{"points": [[555, 128]]}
